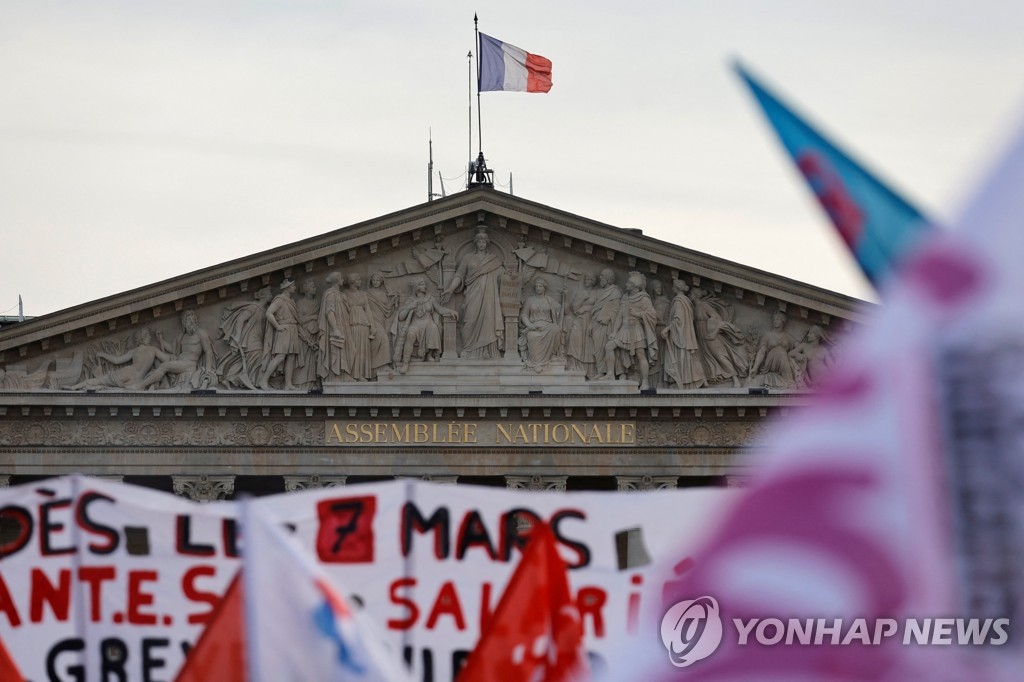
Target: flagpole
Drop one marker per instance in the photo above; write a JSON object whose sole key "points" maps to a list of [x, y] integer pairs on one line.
{"points": [[479, 122], [469, 97]]}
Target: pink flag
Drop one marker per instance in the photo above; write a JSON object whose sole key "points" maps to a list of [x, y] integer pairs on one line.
{"points": [[880, 540]]}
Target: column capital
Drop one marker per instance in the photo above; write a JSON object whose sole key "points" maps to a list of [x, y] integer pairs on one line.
{"points": [[204, 488]]}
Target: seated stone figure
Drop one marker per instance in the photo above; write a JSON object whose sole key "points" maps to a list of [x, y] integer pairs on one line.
{"points": [[141, 359], [540, 340], [419, 333], [192, 362]]}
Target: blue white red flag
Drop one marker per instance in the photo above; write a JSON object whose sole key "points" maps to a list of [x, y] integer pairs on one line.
{"points": [[876, 223], [507, 67]]}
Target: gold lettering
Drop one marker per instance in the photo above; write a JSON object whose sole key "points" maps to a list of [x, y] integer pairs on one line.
{"points": [[609, 435], [595, 434], [352, 433], [366, 433], [565, 433], [629, 433], [469, 432], [435, 438], [534, 428], [335, 433], [420, 433], [502, 433], [400, 435], [453, 433], [521, 433], [380, 433], [577, 434]]}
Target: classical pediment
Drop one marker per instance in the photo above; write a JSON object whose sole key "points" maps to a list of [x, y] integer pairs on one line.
{"points": [[420, 300]]}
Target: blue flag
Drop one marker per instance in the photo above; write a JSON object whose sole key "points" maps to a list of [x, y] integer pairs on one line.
{"points": [[877, 224]]}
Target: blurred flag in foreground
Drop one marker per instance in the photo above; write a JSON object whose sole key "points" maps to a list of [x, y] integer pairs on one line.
{"points": [[297, 626], [883, 539], [535, 634], [875, 222]]}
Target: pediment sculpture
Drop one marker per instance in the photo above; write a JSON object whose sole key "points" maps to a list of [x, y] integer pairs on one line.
{"points": [[475, 300]]}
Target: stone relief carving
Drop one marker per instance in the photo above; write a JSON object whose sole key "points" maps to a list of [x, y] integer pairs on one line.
{"points": [[296, 483], [812, 357], [478, 275], [633, 340], [204, 488], [242, 327], [419, 328], [579, 345], [282, 336], [540, 337], [661, 304], [473, 295], [683, 364], [772, 366], [722, 346], [536, 482], [638, 483]]}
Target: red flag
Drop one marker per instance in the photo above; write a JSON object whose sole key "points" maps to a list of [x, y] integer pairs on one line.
{"points": [[536, 632], [220, 652], [8, 668]]}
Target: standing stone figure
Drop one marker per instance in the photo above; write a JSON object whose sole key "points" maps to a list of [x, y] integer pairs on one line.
{"points": [[772, 366], [540, 341], [634, 334], [333, 364], [661, 303], [382, 306], [579, 346], [142, 358], [283, 330], [483, 326], [192, 361], [308, 312], [682, 361], [242, 326], [357, 342], [420, 334], [721, 344], [604, 319]]}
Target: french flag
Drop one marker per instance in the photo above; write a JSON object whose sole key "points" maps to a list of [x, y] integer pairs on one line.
{"points": [[507, 67]]}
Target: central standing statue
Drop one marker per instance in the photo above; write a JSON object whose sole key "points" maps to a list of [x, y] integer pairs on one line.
{"points": [[483, 326]]}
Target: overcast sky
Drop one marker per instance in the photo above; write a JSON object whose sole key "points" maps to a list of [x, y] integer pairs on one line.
{"points": [[141, 140]]}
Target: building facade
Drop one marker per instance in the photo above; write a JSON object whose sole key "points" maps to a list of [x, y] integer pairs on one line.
{"points": [[480, 338]]}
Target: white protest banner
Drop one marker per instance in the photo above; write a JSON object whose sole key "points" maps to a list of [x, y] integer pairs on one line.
{"points": [[103, 581], [429, 562]]}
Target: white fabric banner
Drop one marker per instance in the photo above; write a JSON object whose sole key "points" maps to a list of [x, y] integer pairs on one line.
{"points": [[100, 580]]}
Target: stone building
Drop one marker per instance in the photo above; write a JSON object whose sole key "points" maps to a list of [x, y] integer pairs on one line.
{"points": [[480, 338]]}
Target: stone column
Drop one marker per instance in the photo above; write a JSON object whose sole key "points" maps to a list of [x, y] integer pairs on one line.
{"points": [[295, 483], [634, 483], [536, 482], [204, 488]]}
